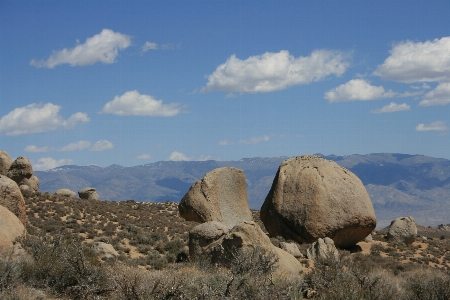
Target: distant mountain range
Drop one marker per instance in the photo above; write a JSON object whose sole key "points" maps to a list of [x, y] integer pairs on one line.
{"points": [[398, 184]]}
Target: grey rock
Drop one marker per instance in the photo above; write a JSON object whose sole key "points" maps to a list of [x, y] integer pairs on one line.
{"points": [[11, 228], [66, 193], [368, 239], [203, 235], [292, 249], [11, 197], [88, 193], [403, 229], [20, 169], [5, 162], [104, 250], [323, 249]]}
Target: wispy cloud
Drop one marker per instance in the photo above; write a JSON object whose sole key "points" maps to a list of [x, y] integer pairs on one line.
{"points": [[36, 118], [103, 47], [225, 143], [392, 107], [149, 46], [47, 163], [33, 148], [439, 96], [102, 146], [80, 145], [255, 140], [178, 156], [134, 104], [144, 156], [435, 126], [275, 71]]}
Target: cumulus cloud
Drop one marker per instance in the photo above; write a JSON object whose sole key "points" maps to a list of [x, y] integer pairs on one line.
{"points": [[178, 156], [274, 71], [358, 89], [134, 104], [149, 46], [439, 96], [435, 126], [36, 149], [35, 118], [47, 163], [144, 156], [80, 145], [417, 62], [392, 107], [103, 47], [102, 145], [255, 140]]}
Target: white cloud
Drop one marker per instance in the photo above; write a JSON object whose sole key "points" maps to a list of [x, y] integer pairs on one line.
{"points": [[103, 47], [134, 104], [80, 145], [358, 89], [255, 140], [35, 118], [439, 96], [149, 46], [435, 126], [102, 145], [178, 156], [47, 163], [417, 62], [225, 143], [274, 71], [144, 156], [36, 149], [392, 107]]}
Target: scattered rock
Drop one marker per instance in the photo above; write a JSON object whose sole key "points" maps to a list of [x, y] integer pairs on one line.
{"points": [[66, 193], [203, 235], [445, 227], [403, 229], [323, 249], [11, 197], [221, 195], [5, 162], [292, 249], [88, 193], [104, 250], [10, 229], [368, 239], [313, 198]]}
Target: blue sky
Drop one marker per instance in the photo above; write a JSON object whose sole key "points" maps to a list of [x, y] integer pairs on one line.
{"points": [[135, 82]]}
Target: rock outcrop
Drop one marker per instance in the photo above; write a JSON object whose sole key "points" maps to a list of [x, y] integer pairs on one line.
{"points": [[10, 229], [403, 229], [314, 198], [11, 197], [104, 250], [243, 238], [22, 173], [322, 249], [221, 195], [5, 162], [66, 193], [203, 235], [292, 249], [88, 193]]}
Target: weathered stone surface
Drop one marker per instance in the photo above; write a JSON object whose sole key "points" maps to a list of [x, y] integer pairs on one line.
{"points": [[20, 169], [66, 193], [403, 229], [203, 235], [11, 198], [247, 237], [368, 239], [10, 229], [104, 250], [88, 193], [5, 162], [313, 198], [221, 195], [32, 182], [291, 248], [322, 249]]}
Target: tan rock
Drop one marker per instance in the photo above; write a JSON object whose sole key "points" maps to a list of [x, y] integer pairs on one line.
{"points": [[221, 195], [66, 193], [32, 182], [322, 249], [20, 169], [10, 229], [313, 198], [403, 229], [11, 198], [203, 235], [5, 162], [88, 193], [291, 248], [104, 250]]}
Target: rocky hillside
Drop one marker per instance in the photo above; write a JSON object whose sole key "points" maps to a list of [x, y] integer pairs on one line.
{"points": [[398, 184]]}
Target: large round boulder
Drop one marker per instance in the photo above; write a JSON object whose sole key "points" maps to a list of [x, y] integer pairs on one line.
{"points": [[66, 193], [5, 162], [11, 197], [88, 193], [20, 169], [403, 229], [10, 229], [221, 195], [314, 198]]}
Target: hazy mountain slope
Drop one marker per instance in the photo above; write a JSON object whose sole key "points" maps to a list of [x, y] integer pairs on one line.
{"points": [[398, 184]]}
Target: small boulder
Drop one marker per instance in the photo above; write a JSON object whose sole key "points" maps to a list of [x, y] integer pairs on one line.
{"points": [[221, 195], [5, 162], [203, 235], [292, 249], [10, 229], [66, 193], [368, 239], [104, 250], [403, 229], [11, 197], [33, 183], [314, 198], [322, 249], [20, 169], [88, 193]]}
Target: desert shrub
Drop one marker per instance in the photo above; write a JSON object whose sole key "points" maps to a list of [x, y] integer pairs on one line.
{"points": [[428, 286]]}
